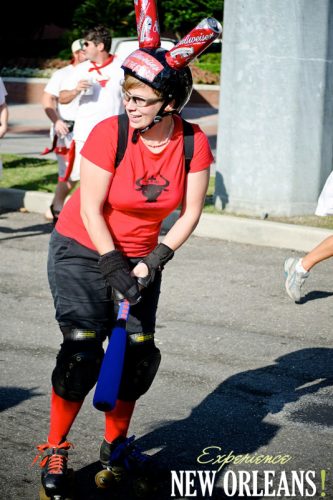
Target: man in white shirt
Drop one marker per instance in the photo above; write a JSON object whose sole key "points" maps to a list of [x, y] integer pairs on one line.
{"points": [[3, 114], [97, 82], [63, 119]]}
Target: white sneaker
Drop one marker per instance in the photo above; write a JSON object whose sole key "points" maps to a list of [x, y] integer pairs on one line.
{"points": [[294, 279]]}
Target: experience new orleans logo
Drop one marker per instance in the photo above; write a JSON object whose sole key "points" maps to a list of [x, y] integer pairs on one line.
{"points": [[283, 484]]}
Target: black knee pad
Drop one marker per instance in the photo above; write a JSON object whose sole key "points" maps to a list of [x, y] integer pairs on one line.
{"points": [[78, 364], [142, 360]]}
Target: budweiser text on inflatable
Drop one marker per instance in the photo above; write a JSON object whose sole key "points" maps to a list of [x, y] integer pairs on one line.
{"points": [[193, 44]]}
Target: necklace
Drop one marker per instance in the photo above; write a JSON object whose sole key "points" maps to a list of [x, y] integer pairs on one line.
{"points": [[166, 141]]}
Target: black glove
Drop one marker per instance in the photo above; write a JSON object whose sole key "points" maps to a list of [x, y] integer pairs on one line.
{"points": [[116, 271], [156, 260]]}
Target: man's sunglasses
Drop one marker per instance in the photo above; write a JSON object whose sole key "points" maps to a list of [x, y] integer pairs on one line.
{"points": [[86, 44]]}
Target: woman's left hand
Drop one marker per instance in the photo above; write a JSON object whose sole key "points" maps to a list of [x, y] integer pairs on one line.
{"points": [[140, 270]]}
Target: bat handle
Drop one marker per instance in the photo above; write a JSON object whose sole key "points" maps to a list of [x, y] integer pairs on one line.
{"points": [[123, 311], [124, 305], [117, 296]]}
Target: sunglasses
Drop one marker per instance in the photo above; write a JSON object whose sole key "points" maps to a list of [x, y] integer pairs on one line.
{"points": [[86, 44], [140, 102]]}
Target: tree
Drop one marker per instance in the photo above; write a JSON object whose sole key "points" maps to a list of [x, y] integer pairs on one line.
{"points": [[23, 20], [180, 16], [25, 35], [177, 17], [119, 16], [23, 28]]}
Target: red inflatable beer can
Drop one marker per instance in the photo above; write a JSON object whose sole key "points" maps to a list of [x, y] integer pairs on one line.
{"points": [[193, 44], [147, 24]]}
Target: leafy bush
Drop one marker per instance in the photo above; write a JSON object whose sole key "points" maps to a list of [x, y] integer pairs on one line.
{"points": [[206, 69], [33, 68], [201, 76], [27, 72]]}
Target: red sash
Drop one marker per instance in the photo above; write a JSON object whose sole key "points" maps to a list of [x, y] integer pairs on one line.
{"points": [[70, 157]]}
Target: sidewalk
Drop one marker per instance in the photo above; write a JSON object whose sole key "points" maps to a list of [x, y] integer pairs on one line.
{"points": [[28, 133], [28, 136]]}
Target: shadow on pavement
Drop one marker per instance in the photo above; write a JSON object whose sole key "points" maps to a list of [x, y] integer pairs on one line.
{"points": [[233, 416], [230, 419], [23, 162], [212, 141], [28, 132], [12, 396], [314, 295], [28, 231]]}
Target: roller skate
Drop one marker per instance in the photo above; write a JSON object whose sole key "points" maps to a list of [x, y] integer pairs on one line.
{"points": [[123, 460], [57, 478]]}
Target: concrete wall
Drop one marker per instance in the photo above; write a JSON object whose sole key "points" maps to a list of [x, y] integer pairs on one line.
{"points": [[24, 90], [275, 139]]}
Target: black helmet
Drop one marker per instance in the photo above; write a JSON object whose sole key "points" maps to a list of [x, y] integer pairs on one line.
{"points": [[150, 67], [166, 71]]}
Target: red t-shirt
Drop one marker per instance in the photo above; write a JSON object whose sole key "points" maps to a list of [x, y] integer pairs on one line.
{"points": [[146, 187]]}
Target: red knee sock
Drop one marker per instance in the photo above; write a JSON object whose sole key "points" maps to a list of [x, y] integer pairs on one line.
{"points": [[117, 421], [63, 414]]}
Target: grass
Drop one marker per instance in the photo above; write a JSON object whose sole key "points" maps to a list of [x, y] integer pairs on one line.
{"points": [[300, 220], [211, 187], [33, 174], [30, 174], [307, 220]]}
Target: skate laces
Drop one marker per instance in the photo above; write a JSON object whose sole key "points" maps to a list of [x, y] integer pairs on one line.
{"points": [[54, 461], [126, 451]]}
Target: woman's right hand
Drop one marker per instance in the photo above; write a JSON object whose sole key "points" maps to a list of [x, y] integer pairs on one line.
{"points": [[116, 271]]}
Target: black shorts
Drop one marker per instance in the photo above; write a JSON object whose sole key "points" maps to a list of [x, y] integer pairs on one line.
{"points": [[83, 299]]}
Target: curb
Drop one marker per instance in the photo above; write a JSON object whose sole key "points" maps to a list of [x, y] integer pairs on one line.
{"points": [[32, 201], [256, 232], [222, 227]]}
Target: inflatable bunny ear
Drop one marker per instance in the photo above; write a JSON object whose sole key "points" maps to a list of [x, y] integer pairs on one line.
{"points": [[193, 44], [147, 24], [167, 71]]}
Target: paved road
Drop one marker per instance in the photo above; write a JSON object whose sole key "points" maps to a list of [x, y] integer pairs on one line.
{"points": [[243, 369]]}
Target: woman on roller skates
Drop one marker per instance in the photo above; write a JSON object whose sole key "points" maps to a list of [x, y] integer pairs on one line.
{"points": [[106, 239]]}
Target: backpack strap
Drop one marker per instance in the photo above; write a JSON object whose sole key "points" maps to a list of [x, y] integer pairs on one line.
{"points": [[188, 143], [122, 138]]}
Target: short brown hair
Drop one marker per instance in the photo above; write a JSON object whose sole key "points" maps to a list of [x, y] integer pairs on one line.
{"points": [[130, 82], [99, 34]]}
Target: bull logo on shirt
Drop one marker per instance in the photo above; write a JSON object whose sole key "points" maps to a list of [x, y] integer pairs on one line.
{"points": [[152, 187]]}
